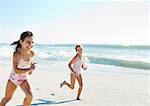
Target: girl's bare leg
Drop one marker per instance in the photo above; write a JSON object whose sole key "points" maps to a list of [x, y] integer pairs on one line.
{"points": [[10, 88], [27, 90], [79, 78], [72, 79]]}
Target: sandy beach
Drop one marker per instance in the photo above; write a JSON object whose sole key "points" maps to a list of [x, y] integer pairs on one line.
{"points": [[111, 86]]}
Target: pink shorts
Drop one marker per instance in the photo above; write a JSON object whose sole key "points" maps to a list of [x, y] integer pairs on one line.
{"points": [[17, 79]]}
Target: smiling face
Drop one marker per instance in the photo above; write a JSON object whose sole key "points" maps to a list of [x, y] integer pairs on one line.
{"points": [[27, 43]]}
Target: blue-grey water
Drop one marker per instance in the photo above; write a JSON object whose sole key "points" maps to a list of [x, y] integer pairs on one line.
{"points": [[117, 55]]}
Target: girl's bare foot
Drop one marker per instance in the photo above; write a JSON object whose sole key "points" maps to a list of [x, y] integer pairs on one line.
{"points": [[78, 98], [62, 83]]}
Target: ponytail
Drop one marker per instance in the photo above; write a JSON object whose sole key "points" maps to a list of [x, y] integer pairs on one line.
{"points": [[18, 45]]}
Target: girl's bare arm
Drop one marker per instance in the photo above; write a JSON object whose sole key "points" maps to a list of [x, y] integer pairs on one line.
{"points": [[72, 62]]}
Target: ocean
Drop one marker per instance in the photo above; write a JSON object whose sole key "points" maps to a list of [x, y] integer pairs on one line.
{"points": [[137, 57]]}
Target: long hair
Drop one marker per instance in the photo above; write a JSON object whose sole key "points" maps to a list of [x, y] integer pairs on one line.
{"points": [[22, 37]]}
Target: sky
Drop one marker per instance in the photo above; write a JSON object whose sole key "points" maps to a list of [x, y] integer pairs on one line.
{"points": [[125, 22]]}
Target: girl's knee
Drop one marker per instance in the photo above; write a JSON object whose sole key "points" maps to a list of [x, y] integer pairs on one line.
{"points": [[72, 87], [81, 85], [29, 96]]}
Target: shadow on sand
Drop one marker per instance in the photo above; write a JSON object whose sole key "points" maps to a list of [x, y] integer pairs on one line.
{"points": [[44, 102]]}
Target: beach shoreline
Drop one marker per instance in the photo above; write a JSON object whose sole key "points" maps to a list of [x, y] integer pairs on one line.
{"points": [[105, 88]]}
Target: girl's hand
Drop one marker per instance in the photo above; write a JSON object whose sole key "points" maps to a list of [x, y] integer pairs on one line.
{"points": [[33, 66], [84, 66], [30, 72]]}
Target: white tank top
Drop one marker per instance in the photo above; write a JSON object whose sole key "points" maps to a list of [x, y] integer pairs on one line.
{"points": [[77, 66], [22, 64]]}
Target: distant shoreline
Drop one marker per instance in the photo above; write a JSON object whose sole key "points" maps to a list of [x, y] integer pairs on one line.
{"points": [[101, 45]]}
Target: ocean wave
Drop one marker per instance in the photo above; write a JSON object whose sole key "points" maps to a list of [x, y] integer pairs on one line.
{"points": [[138, 64], [124, 61], [55, 55], [139, 59]]}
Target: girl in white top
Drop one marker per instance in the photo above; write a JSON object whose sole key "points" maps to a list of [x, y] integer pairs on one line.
{"points": [[78, 65], [22, 67]]}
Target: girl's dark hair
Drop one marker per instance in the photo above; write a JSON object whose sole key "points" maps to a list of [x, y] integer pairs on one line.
{"points": [[77, 47], [22, 37]]}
